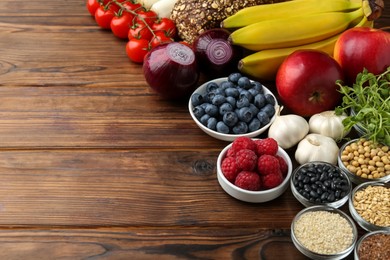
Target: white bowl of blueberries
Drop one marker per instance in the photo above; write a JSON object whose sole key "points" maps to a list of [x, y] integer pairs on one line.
{"points": [[233, 106]]}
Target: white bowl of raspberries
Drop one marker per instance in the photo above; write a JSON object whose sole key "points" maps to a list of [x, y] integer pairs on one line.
{"points": [[226, 108], [254, 170]]}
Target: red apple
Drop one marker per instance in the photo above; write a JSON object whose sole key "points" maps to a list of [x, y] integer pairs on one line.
{"points": [[306, 82], [362, 47]]}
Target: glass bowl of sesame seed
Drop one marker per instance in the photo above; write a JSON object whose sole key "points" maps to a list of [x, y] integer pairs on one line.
{"points": [[323, 232], [369, 205], [365, 160]]}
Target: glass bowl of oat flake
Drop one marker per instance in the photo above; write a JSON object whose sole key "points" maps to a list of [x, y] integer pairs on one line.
{"points": [[323, 232], [369, 205]]}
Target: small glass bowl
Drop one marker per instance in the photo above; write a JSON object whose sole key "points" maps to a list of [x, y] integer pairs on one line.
{"points": [[308, 203], [313, 255], [353, 177], [368, 226], [364, 237]]}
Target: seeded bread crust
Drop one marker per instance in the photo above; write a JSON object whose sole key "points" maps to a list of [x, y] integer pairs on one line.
{"points": [[192, 17]]}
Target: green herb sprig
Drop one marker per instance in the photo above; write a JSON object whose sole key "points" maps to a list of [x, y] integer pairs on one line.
{"points": [[369, 99]]}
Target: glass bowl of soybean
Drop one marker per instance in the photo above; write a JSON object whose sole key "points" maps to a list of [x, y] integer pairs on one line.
{"points": [[365, 160], [320, 183]]}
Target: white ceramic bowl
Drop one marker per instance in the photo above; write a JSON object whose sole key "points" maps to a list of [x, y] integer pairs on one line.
{"points": [[228, 137], [253, 196], [368, 226]]}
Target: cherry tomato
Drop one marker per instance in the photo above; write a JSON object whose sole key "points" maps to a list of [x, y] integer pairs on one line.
{"points": [[136, 49], [160, 38], [166, 25], [129, 5], [92, 6], [147, 16], [140, 31], [103, 17], [120, 25]]}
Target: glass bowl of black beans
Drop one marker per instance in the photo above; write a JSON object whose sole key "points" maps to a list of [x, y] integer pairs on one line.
{"points": [[320, 183]]}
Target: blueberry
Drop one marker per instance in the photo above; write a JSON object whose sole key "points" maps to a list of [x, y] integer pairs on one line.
{"points": [[198, 111], [254, 109], [234, 77], [211, 86], [219, 91], [204, 119], [222, 128], [263, 118], [253, 92], [247, 94], [196, 99], [244, 82], [212, 123], [231, 101], [254, 125], [269, 110], [270, 99], [243, 101], [258, 86], [245, 114], [232, 92], [218, 100], [210, 96], [205, 97], [259, 101], [230, 118], [224, 108], [240, 128], [226, 84], [211, 110]]}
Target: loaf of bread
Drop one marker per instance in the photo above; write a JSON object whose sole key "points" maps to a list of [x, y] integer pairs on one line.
{"points": [[192, 17]]}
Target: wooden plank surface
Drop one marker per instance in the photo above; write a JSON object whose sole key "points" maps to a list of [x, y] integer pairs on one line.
{"points": [[94, 165]]}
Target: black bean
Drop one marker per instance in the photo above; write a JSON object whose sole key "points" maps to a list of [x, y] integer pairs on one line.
{"points": [[313, 194], [331, 197]]}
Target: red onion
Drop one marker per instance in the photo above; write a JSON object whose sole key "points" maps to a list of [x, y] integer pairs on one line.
{"points": [[171, 70], [216, 55]]}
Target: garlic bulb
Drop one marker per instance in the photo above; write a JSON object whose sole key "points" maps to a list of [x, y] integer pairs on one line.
{"points": [[316, 147], [288, 130], [329, 124]]}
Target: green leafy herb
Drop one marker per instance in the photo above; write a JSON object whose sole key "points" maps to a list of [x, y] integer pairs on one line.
{"points": [[368, 104]]}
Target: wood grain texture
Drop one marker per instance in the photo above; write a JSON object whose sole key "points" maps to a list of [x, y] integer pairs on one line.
{"points": [[94, 165]]}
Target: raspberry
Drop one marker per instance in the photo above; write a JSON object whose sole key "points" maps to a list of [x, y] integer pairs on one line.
{"points": [[248, 180], [229, 168], [246, 160], [282, 165], [267, 164], [272, 180], [266, 146], [243, 142], [230, 152]]}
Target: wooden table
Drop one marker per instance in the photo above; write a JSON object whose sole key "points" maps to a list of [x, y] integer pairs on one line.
{"points": [[94, 165]]}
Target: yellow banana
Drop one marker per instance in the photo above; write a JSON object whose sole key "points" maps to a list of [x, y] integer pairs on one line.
{"points": [[265, 64], [286, 9], [293, 31]]}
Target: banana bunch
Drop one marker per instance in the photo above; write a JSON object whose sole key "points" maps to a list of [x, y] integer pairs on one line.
{"points": [[273, 31]]}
